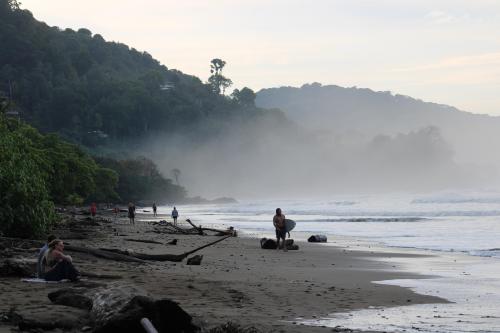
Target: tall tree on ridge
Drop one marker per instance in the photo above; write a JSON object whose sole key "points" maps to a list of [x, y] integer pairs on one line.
{"points": [[217, 81], [176, 173]]}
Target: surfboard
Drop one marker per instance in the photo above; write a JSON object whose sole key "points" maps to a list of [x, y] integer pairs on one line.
{"points": [[289, 225]]}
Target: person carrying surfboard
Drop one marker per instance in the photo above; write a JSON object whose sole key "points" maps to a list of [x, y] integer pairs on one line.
{"points": [[279, 224]]}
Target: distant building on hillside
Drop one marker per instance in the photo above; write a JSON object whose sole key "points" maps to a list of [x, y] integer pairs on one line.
{"points": [[167, 86]]}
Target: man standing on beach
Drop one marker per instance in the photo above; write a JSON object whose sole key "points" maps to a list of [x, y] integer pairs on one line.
{"points": [[154, 208], [279, 224], [175, 215]]}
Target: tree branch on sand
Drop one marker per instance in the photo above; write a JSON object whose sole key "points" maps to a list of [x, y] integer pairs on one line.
{"points": [[121, 255]]}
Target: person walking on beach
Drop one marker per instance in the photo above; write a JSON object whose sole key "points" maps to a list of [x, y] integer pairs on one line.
{"points": [[40, 265], [175, 215], [154, 208], [93, 210], [279, 225], [131, 212]]}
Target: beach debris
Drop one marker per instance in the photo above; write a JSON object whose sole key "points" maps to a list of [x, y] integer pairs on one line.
{"points": [[231, 327], [195, 260], [317, 239], [143, 241], [33, 317], [169, 228], [73, 297], [148, 326], [103, 254], [157, 257], [18, 267], [120, 308], [270, 244]]}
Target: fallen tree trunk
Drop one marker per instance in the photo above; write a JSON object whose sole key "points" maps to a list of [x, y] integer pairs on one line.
{"points": [[103, 254], [120, 308], [200, 231], [143, 241], [100, 276], [161, 257]]}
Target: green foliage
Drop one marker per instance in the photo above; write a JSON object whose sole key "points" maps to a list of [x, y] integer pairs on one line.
{"points": [[37, 170], [25, 206], [244, 97], [97, 93], [140, 180]]}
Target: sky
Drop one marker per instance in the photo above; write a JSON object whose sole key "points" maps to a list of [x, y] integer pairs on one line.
{"points": [[443, 51]]}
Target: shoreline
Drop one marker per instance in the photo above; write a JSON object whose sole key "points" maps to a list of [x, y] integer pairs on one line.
{"points": [[238, 281]]}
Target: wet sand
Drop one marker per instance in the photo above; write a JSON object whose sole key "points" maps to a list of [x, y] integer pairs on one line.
{"points": [[237, 280]]}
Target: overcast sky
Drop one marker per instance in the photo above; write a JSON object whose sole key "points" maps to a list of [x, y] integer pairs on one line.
{"points": [[444, 51]]}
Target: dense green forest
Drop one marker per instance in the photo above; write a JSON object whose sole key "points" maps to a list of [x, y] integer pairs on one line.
{"points": [[78, 96], [94, 92], [38, 171]]}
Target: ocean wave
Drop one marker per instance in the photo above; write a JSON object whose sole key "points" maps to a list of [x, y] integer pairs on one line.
{"points": [[373, 219], [456, 198], [342, 203]]}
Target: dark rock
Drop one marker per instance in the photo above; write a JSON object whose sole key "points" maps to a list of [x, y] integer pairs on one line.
{"points": [[317, 239], [195, 260], [73, 297], [172, 242], [268, 244]]}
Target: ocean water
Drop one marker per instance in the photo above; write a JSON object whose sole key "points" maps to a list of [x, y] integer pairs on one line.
{"points": [[463, 229]]}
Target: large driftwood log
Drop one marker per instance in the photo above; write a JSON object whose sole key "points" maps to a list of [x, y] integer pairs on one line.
{"points": [[143, 241], [120, 308], [200, 231], [161, 257], [103, 254]]}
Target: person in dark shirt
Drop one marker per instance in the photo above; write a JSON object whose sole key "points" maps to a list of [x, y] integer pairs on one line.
{"points": [[279, 225], [131, 212]]}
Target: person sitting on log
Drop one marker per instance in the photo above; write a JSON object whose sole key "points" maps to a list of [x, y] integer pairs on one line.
{"points": [[58, 265], [40, 264]]}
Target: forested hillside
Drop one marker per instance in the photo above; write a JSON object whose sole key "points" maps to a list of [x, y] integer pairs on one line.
{"points": [[95, 92], [366, 113]]}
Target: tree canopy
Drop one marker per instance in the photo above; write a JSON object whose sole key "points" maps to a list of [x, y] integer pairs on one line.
{"points": [[95, 93]]}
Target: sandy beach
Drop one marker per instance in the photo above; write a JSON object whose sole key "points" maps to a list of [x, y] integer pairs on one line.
{"points": [[237, 281]]}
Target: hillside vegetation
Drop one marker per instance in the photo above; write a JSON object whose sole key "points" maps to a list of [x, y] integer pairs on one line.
{"points": [[95, 92], [367, 113]]}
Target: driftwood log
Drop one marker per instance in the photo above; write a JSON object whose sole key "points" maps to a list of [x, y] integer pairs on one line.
{"points": [[143, 241], [200, 231], [161, 257], [195, 230], [103, 254], [120, 308]]}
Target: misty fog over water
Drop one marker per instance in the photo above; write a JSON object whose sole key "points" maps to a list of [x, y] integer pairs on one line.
{"points": [[362, 142], [268, 161]]}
